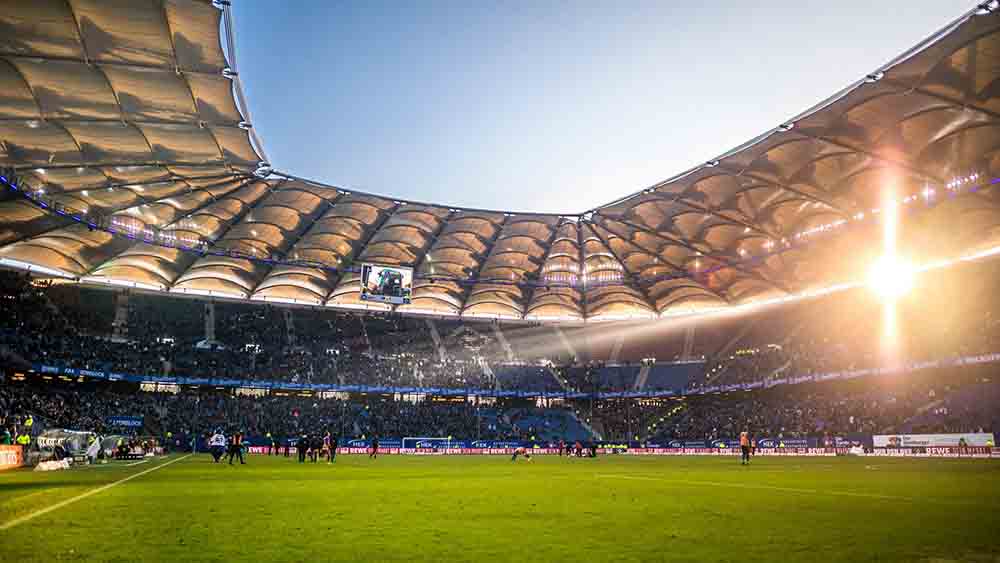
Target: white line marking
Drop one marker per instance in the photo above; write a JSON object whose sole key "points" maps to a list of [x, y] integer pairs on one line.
{"points": [[136, 463], [58, 505], [782, 489]]}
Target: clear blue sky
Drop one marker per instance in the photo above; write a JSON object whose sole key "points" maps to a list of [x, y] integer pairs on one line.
{"points": [[542, 105]]}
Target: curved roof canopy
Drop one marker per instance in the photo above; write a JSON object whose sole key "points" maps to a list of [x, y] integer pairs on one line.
{"points": [[122, 124]]}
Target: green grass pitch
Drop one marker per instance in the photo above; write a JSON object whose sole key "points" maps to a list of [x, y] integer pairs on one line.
{"points": [[615, 508]]}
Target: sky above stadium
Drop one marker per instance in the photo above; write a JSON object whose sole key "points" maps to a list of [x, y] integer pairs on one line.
{"points": [[545, 106]]}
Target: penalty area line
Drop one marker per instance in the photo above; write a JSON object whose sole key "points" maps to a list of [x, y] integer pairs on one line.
{"points": [[69, 501]]}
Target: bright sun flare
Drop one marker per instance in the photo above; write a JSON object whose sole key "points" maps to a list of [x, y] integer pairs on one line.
{"points": [[891, 277]]}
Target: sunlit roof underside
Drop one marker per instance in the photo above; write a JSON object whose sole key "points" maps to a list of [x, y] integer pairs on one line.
{"points": [[126, 110]]}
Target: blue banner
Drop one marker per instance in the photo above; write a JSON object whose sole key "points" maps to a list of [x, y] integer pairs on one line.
{"points": [[417, 443], [725, 443], [124, 421], [787, 443], [687, 444], [111, 376]]}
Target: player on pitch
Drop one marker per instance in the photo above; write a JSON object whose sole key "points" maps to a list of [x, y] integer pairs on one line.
{"points": [[236, 447], [521, 451], [745, 447]]}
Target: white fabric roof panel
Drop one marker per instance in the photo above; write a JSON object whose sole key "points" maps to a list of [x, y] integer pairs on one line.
{"points": [[119, 113]]}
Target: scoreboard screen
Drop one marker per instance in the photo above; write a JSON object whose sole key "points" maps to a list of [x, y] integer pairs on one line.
{"points": [[386, 284]]}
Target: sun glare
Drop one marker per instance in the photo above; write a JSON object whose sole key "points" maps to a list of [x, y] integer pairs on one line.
{"points": [[891, 277]]}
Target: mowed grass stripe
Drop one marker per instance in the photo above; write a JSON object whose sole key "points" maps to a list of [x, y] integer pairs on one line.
{"points": [[23, 491], [41, 512], [463, 508], [796, 490]]}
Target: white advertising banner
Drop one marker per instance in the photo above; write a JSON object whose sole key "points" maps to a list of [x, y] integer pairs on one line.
{"points": [[980, 439]]}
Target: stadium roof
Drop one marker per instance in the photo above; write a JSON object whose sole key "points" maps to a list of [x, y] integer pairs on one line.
{"points": [[123, 124]]}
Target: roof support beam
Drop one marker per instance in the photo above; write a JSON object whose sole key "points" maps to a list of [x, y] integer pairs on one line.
{"points": [[145, 121], [125, 164], [627, 279], [892, 161], [63, 223], [247, 181], [676, 267], [786, 187], [724, 217], [431, 240], [727, 263], [534, 288], [581, 287], [486, 258], [946, 99], [359, 246], [110, 211], [144, 200], [87, 61], [670, 239], [137, 243], [154, 181], [232, 222], [414, 202], [682, 271], [678, 199], [427, 250], [291, 244]]}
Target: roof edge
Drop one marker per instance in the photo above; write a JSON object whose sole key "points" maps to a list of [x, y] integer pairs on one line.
{"points": [[905, 55]]}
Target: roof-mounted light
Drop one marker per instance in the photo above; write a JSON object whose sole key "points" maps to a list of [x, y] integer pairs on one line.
{"points": [[784, 127], [875, 77], [987, 8], [263, 170]]}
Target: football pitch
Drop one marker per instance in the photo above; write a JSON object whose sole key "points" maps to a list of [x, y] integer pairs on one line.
{"points": [[463, 508]]}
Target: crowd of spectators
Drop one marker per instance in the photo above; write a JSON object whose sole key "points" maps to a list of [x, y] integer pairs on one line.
{"points": [[952, 315], [78, 327], [65, 325], [96, 407], [69, 326], [937, 401]]}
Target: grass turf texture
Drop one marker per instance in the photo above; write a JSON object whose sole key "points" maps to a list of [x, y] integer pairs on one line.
{"points": [[487, 508]]}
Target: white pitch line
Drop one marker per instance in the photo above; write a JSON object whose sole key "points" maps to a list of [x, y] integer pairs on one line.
{"points": [[778, 488], [58, 505], [136, 463]]}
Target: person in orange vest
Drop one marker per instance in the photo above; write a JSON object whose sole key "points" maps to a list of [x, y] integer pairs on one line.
{"points": [[745, 447]]}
